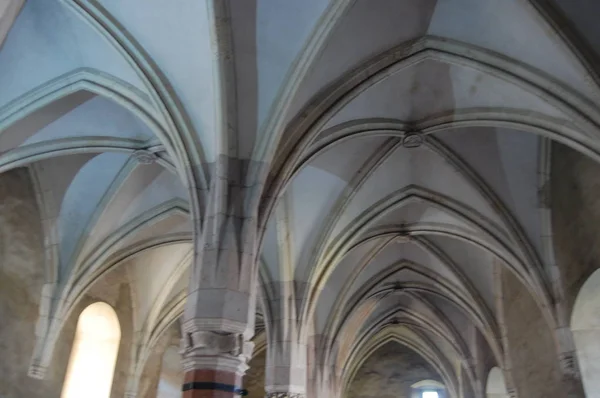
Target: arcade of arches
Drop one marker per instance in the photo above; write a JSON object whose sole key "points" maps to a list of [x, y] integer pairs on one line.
{"points": [[311, 198]]}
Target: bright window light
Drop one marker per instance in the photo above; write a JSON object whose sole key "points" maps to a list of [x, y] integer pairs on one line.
{"points": [[94, 353], [430, 394]]}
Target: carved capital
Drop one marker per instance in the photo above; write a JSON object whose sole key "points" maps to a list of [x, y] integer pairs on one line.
{"points": [[213, 343], [203, 349]]}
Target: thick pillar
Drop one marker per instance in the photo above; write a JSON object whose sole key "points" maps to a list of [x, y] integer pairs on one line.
{"points": [[218, 321], [217, 328], [218, 324]]}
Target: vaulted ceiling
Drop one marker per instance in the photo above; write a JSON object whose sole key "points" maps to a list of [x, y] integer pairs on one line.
{"points": [[407, 144]]}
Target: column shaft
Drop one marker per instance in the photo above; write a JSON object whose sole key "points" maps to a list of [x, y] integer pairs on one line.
{"points": [[205, 383]]}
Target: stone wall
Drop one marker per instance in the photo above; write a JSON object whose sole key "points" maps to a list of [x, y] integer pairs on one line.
{"points": [[114, 290], [390, 372], [254, 381], [575, 204], [532, 350], [21, 280]]}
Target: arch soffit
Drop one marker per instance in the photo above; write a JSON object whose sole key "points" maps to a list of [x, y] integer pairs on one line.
{"points": [[380, 337], [351, 237], [107, 257], [93, 81], [70, 297], [81, 79], [135, 223], [190, 154], [511, 222], [482, 320], [394, 128], [313, 119], [468, 302], [305, 128], [434, 321], [345, 303]]}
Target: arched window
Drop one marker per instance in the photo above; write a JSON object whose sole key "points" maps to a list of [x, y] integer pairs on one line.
{"points": [[585, 324], [496, 386], [94, 353], [428, 389]]}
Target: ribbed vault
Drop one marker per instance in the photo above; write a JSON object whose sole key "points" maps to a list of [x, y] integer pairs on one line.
{"points": [[369, 174]]}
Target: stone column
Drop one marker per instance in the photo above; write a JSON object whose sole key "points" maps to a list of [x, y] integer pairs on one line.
{"points": [[214, 363], [217, 328], [218, 321]]}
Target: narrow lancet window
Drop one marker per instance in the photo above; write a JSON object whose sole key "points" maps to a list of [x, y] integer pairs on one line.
{"points": [[94, 353]]}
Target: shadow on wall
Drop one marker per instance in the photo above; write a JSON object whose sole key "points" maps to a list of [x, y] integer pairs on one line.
{"points": [[21, 279], [254, 381], [575, 186], [585, 324], [535, 368], [390, 372]]}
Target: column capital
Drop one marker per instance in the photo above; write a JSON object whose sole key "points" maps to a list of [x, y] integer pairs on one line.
{"points": [[221, 351]]}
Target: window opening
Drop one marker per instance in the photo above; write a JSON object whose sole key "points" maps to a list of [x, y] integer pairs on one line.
{"points": [[94, 353]]}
